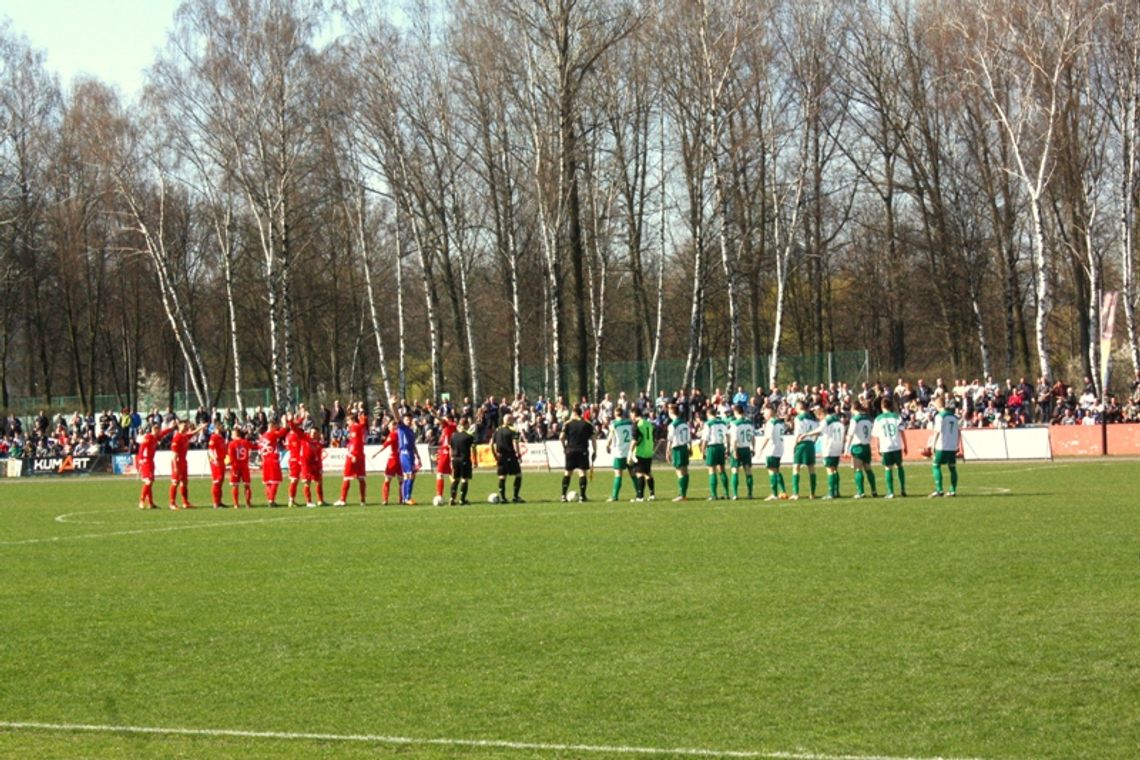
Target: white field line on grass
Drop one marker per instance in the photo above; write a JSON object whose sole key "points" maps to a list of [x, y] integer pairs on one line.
{"points": [[287, 519], [472, 743]]}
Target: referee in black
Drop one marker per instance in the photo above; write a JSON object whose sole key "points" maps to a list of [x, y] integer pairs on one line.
{"points": [[581, 449], [462, 446], [505, 447]]}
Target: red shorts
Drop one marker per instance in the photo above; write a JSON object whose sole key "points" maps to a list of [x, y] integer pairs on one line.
{"points": [[311, 473], [354, 465], [239, 474], [146, 471], [271, 470], [443, 462], [392, 469], [178, 469], [217, 472], [295, 466]]}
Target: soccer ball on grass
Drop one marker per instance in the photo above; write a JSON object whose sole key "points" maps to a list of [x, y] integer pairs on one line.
{"points": [[437, 501], [572, 496], [494, 498]]}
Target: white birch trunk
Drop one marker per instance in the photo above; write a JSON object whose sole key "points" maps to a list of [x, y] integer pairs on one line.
{"points": [[469, 329], [171, 301], [651, 380], [980, 326], [1130, 100], [401, 335], [365, 258], [231, 312], [728, 261], [516, 313]]}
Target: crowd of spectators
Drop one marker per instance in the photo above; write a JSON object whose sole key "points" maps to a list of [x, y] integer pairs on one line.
{"points": [[980, 404]]}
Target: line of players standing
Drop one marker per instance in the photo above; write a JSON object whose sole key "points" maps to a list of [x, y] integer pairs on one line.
{"points": [[630, 441], [301, 438]]}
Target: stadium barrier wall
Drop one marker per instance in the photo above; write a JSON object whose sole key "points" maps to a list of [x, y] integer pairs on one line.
{"points": [[1076, 440], [1123, 440]]}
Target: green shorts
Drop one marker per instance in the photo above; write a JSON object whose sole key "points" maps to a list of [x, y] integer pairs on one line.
{"points": [[831, 463], [714, 455], [861, 452], [742, 457], [772, 463], [804, 453], [892, 458], [945, 457], [680, 456]]}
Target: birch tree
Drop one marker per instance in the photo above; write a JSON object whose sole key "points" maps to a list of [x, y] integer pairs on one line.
{"points": [[1030, 45]]}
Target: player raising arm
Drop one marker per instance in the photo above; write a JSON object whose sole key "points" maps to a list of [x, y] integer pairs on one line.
{"points": [[179, 466], [354, 459], [216, 454]]}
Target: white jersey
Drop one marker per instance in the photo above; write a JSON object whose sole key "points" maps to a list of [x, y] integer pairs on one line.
{"points": [[832, 436], [621, 438], [679, 434], [805, 425], [860, 433], [887, 430], [947, 428], [773, 441], [741, 433], [715, 432]]}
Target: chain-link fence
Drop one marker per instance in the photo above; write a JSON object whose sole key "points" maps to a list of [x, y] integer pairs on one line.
{"points": [[752, 371]]}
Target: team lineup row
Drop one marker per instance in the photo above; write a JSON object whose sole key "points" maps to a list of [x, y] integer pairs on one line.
{"points": [[726, 443]]}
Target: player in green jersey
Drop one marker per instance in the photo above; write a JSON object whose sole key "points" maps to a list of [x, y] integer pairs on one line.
{"points": [[741, 434], [859, 446], [946, 441], [679, 439], [772, 450], [714, 437], [805, 430], [642, 456], [892, 446], [618, 445], [832, 439]]}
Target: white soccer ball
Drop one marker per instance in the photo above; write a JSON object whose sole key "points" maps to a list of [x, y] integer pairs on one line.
{"points": [[437, 501], [494, 498], [572, 496]]}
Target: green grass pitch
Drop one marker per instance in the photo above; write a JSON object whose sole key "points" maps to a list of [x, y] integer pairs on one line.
{"points": [[1001, 624]]}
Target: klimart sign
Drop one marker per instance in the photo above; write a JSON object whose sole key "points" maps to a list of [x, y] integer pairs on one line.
{"points": [[64, 465]]}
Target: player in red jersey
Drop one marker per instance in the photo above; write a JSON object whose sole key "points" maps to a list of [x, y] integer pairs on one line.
{"points": [[354, 462], [443, 456], [267, 444], [144, 463], [179, 467], [237, 456], [392, 470], [216, 452], [295, 444], [313, 467]]}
